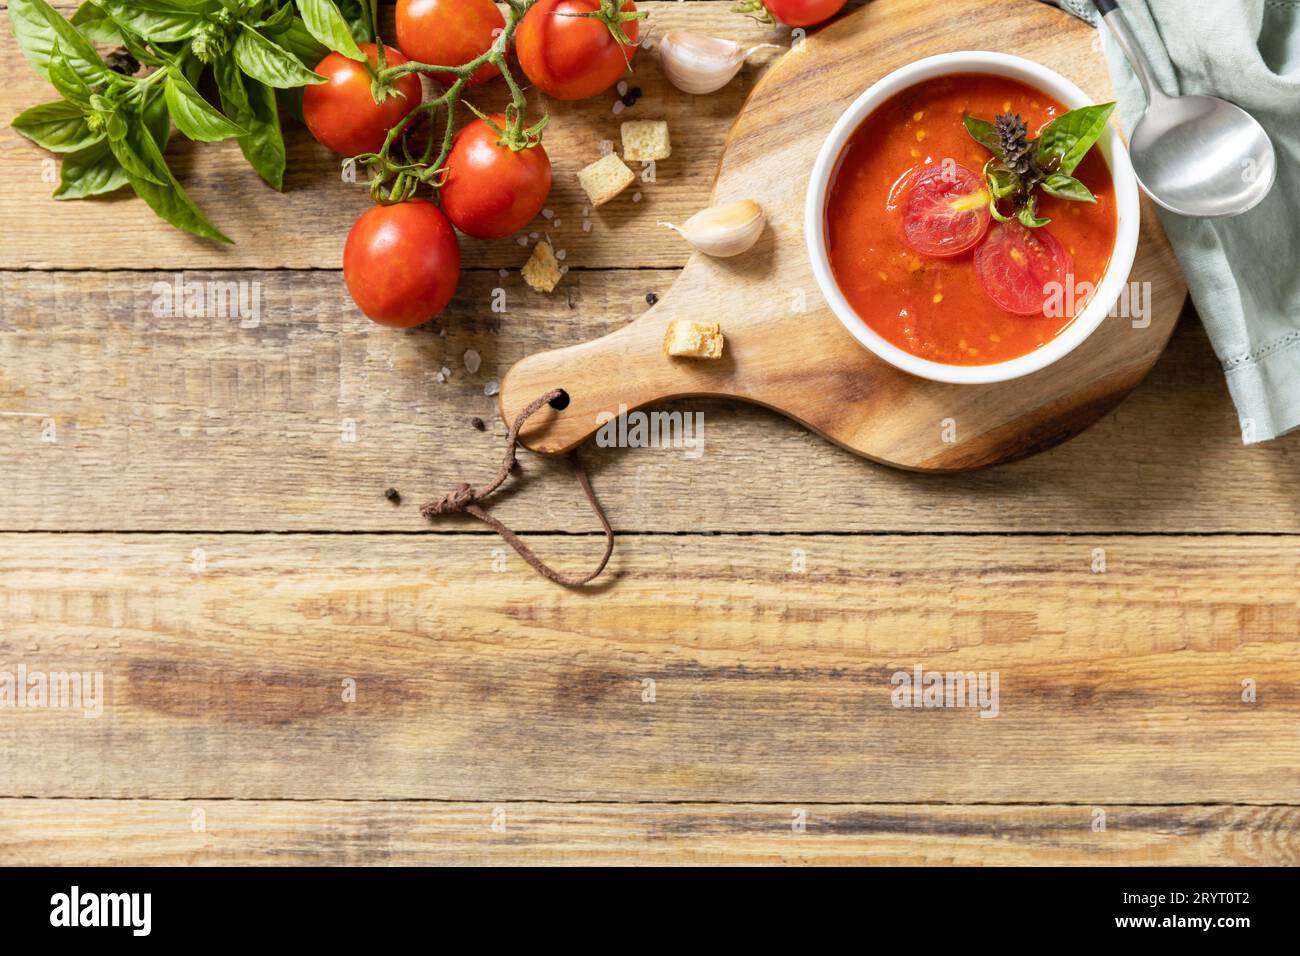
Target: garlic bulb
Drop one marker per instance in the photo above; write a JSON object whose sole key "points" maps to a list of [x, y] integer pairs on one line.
{"points": [[725, 230], [695, 63]]}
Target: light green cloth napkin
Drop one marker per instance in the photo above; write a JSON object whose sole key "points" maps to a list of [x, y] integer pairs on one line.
{"points": [[1243, 273]]}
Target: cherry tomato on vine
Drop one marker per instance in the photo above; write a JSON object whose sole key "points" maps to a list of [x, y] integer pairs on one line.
{"points": [[342, 114], [491, 190], [402, 263], [449, 33], [572, 57], [803, 13]]}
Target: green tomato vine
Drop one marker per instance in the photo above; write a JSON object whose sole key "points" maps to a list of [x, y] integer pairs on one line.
{"points": [[396, 180]]}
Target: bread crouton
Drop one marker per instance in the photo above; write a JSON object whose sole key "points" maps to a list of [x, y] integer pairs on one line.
{"points": [[689, 339], [605, 178]]}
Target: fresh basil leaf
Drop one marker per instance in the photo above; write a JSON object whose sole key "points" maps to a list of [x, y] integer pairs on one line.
{"points": [[358, 17], [135, 167], [59, 127], [137, 48], [38, 28], [194, 116], [1002, 182], [298, 41], [163, 193], [159, 21], [156, 117], [252, 105], [984, 133], [270, 63], [1064, 141], [277, 22], [324, 22], [92, 171], [1028, 217], [64, 78], [96, 25], [1063, 186]]}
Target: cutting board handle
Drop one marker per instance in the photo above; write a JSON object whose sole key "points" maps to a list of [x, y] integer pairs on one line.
{"points": [[606, 377]]}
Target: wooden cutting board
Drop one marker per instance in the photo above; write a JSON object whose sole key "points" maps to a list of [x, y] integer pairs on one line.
{"points": [[784, 347]]}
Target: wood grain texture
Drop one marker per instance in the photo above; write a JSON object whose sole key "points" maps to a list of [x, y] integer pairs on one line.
{"points": [[331, 833], [489, 688], [304, 227], [178, 423], [224, 659], [785, 349]]}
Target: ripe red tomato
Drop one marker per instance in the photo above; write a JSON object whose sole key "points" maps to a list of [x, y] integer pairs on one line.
{"points": [[342, 114], [803, 13], [572, 57], [947, 210], [402, 263], [1018, 267], [449, 33], [491, 190]]}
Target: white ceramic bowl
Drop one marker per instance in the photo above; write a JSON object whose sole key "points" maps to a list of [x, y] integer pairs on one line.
{"points": [[1126, 209]]}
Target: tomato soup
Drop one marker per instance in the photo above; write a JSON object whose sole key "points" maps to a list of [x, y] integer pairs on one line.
{"points": [[940, 306]]}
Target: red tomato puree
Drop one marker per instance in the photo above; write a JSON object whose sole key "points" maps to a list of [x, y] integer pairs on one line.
{"points": [[936, 307]]}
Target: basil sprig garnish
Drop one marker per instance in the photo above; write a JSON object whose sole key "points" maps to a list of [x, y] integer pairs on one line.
{"points": [[1020, 166], [112, 122]]}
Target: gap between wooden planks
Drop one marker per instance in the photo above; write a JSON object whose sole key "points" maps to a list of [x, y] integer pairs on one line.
{"points": [[139, 832], [318, 207], [224, 661], [173, 423]]}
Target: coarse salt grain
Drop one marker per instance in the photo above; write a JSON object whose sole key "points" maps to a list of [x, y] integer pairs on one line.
{"points": [[472, 361], [492, 387]]}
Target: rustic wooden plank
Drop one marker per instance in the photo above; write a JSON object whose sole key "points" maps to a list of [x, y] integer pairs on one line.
{"points": [[225, 661], [120, 231], [177, 423], [329, 833]]}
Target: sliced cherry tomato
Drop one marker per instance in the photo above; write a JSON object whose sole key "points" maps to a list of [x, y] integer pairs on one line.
{"points": [[572, 57], [947, 210], [803, 13], [449, 33], [342, 114], [1016, 266], [491, 190], [402, 263]]}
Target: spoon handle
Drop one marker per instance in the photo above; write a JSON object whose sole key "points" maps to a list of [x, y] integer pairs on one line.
{"points": [[1113, 17]]}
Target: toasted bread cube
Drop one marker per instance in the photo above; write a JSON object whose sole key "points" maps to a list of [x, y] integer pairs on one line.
{"points": [[541, 271], [605, 178], [645, 141], [693, 339]]}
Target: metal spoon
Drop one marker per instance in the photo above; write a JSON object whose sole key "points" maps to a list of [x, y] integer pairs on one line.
{"points": [[1194, 155]]}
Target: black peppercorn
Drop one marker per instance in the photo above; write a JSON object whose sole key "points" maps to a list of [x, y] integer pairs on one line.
{"points": [[651, 298], [393, 495], [477, 422]]}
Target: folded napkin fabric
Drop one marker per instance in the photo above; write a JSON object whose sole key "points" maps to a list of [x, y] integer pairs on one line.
{"points": [[1243, 273]]}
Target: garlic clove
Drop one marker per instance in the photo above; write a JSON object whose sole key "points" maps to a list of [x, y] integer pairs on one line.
{"points": [[696, 63], [725, 230]]}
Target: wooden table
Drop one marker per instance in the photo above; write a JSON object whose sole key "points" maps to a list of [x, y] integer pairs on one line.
{"points": [[298, 671]]}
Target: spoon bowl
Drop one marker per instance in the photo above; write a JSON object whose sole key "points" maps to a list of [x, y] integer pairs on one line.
{"points": [[1194, 155], [1202, 156]]}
